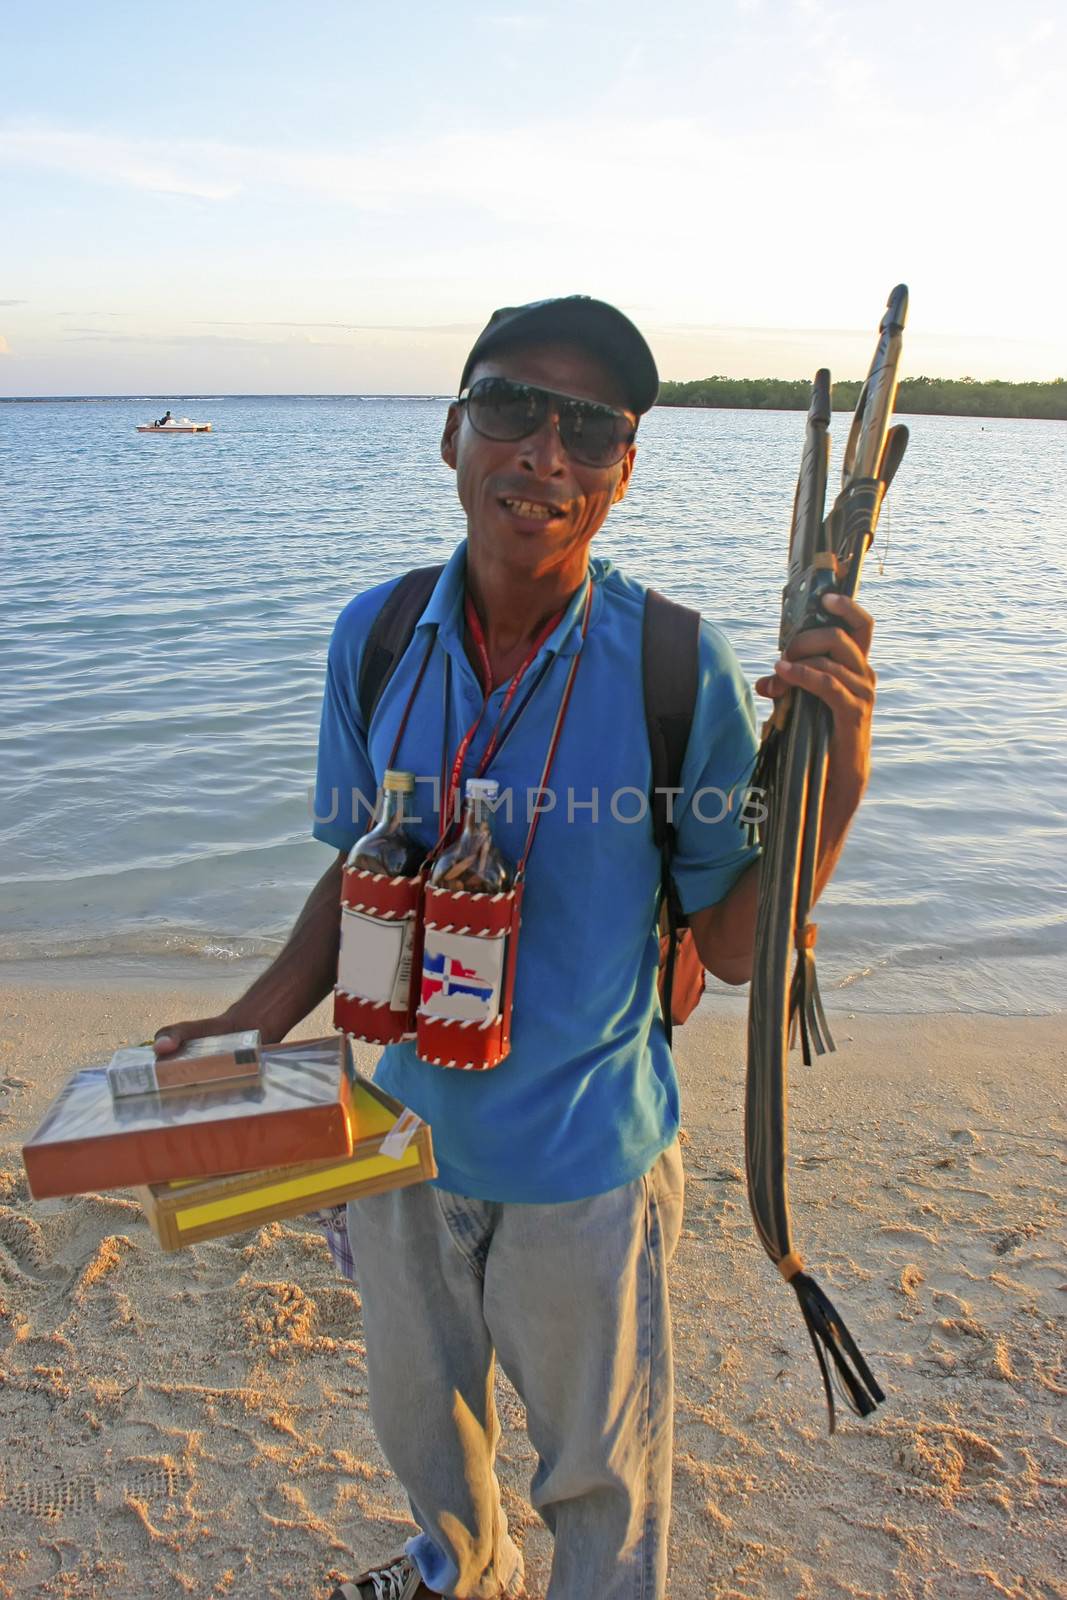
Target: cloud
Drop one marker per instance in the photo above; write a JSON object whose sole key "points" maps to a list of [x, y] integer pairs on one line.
{"points": [[688, 220], [804, 335], [178, 340], [80, 335], [449, 328], [663, 159], [106, 159], [14, 302], [714, 329]]}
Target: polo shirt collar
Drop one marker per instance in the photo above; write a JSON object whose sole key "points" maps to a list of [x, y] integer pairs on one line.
{"points": [[444, 610]]}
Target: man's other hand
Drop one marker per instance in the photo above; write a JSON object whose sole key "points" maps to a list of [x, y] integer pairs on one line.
{"points": [[832, 664]]}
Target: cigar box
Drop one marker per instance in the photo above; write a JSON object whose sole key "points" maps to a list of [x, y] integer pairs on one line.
{"points": [[298, 1110], [136, 1069], [391, 1147]]}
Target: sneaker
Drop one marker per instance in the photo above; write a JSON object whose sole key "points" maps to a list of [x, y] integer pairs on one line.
{"points": [[398, 1579]]}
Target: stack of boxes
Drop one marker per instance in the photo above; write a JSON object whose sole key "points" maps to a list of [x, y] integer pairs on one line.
{"points": [[225, 1135]]}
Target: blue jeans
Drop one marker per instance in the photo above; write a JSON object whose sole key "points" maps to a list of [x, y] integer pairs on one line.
{"points": [[572, 1299]]}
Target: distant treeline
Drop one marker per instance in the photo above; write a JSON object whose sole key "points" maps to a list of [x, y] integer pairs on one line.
{"points": [[952, 397]]}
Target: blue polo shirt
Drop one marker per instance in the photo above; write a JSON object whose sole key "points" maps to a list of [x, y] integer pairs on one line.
{"points": [[588, 1097]]}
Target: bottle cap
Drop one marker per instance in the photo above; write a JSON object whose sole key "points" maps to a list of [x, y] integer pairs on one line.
{"points": [[482, 788], [398, 782]]}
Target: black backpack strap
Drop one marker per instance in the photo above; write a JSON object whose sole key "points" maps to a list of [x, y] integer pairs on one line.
{"points": [[390, 634], [670, 657], [670, 650]]}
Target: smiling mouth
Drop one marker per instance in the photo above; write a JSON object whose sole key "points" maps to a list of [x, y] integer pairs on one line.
{"points": [[541, 510]]}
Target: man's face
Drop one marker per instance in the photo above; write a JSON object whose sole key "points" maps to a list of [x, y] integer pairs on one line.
{"points": [[496, 479]]}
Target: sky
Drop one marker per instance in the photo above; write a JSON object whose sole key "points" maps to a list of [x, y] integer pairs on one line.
{"points": [[205, 198]]}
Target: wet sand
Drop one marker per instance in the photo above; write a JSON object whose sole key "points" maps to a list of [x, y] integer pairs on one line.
{"points": [[198, 1424]]}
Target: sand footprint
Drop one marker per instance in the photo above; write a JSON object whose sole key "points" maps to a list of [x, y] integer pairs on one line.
{"points": [[56, 1495], [10, 1088], [278, 1319], [23, 1251], [949, 1460], [105, 1260]]}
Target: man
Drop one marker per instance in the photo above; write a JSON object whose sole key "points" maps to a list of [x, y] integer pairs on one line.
{"points": [[546, 1239]]}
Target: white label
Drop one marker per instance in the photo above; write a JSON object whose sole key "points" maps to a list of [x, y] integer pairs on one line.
{"points": [[400, 1135], [461, 975], [372, 955], [223, 1044], [132, 1070], [402, 982]]}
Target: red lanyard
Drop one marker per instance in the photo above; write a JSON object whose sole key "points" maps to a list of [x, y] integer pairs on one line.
{"points": [[486, 676]]}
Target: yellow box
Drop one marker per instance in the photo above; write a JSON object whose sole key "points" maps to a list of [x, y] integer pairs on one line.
{"points": [[184, 1212]]}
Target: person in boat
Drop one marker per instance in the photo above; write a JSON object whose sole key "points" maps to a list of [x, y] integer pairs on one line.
{"points": [[546, 1238], [164, 419]]}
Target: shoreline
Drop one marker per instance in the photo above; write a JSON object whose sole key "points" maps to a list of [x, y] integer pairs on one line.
{"points": [[228, 977]]}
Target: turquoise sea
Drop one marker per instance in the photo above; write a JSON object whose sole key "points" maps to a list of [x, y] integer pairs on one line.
{"points": [[165, 605]]}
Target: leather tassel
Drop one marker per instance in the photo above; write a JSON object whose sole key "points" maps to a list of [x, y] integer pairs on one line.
{"points": [[762, 779], [805, 1002], [830, 1337]]}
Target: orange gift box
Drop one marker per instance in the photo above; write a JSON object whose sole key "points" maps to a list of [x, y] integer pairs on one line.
{"points": [[298, 1110]]}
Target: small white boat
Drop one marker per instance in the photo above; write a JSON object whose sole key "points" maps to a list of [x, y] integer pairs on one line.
{"points": [[175, 425]]}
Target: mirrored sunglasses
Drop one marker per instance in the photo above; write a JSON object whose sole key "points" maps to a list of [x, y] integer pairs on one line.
{"points": [[594, 435]]}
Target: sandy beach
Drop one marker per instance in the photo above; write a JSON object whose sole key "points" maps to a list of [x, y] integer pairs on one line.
{"points": [[198, 1424]]}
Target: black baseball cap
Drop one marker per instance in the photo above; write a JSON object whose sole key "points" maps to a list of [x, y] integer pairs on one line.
{"points": [[578, 319]]}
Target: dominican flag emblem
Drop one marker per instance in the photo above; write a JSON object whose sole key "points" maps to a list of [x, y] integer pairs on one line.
{"points": [[461, 976], [445, 975]]}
